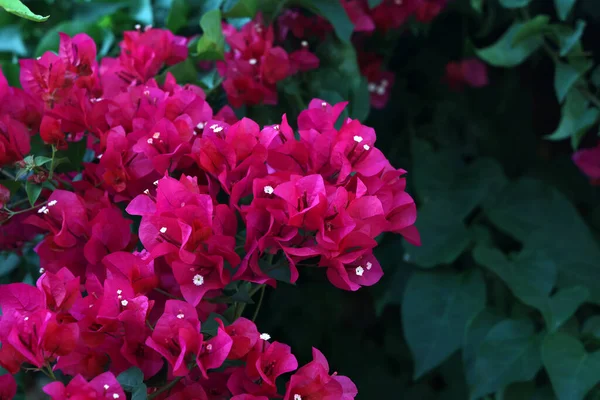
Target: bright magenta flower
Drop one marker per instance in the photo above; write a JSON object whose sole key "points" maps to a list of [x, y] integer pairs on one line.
{"points": [[588, 161]]}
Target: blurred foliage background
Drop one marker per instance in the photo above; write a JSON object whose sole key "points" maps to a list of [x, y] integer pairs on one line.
{"points": [[501, 300]]}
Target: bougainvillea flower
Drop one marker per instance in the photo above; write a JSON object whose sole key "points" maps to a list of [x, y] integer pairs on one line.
{"points": [[103, 386], [8, 386], [14, 140], [588, 161], [244, 335], [312, 381], [358, 12], [470, 72]]}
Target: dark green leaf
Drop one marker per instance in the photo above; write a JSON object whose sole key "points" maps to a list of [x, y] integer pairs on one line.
{"points": [[523, 210], [178, 15], [17, 8], [33, 192], [509, 353], [504, 54], [573, 371], [374, 3], [514, 3], [8, 262], [592, 326], [477, 5], [94, 11], [360, 103], [210, 326], [240, 8], [334, 13], [475, 332], [568, 38], [435, 311], [576, 116], [140, 393], [517, 391], [563, 8], [41, 160], [567, 75], [533, 28], [211, 45], [131, 378]]}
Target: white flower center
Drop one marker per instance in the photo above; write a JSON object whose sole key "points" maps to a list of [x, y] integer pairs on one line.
{"points": [[119, 291], [198, 280], [155, 183], [265, 336], [52, 203], [381, 90], [43, 210], [372, 87], [268, 189], [146, 191], [156, 135], [149, 141], [26, 319], [369, 265], [209, 347], [366, 147], [42, 270], [180, 316], [297, 397], [252, 61], [359, 271], [106, 387], [358, 139], [124, 303], [163, 229], [200, 125], [115, 396], [304, 43]]}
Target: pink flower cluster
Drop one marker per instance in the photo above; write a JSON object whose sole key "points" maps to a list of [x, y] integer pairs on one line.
{"points": [[220, 201], [254, 64]]}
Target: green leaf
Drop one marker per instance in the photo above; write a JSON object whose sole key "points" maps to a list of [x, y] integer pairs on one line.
{"points": [[131, 378], [240, 8], [141, 11], [140, 393], [504, 54], [334, 12], [517, 391], [576, 116], [563, 8], [33, 192], [8, 263], [211, 45], [477, 5], [210, 326], [568, 38], [360, 103], [532, 28], [592, 326], [514, 3], [41, 160], [572, 371], [11, 185], [19, 9], [435, 311], [537, 214], [374, 3], [444, 238], [567, 74], [11, 40], [475, 332], [178, 15], [509, 353]]}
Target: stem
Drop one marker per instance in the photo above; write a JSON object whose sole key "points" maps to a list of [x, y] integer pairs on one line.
{"points": [[11, 213], [51, 373], [51, 173], [260, 300], [8, 174], [165, 388], [166, 294]]}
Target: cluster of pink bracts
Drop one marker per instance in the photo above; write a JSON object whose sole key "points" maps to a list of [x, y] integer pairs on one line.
{"points": [[220, 201]]}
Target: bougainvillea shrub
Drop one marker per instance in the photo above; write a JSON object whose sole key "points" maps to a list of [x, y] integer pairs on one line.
{"points": [[303, 199]]}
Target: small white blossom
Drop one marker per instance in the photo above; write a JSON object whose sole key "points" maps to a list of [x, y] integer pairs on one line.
{"points": [[138, 27], [265, 336], [180, 316], [163, 229], [268, 189], [200, 125], [304, 43], [252, 61], [43, 210], [323, 104], [149, 141], [42, 270], [115, 396], [124, 303], [52, 203], [119, 291], [369, 266], [198, 280], [155, 183], [297, 397], [146, 191], [358, 139], [372, 87], [359, 271], [106, 387], [366, 147], [156, 135], [209, 347], [26, 319]]}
